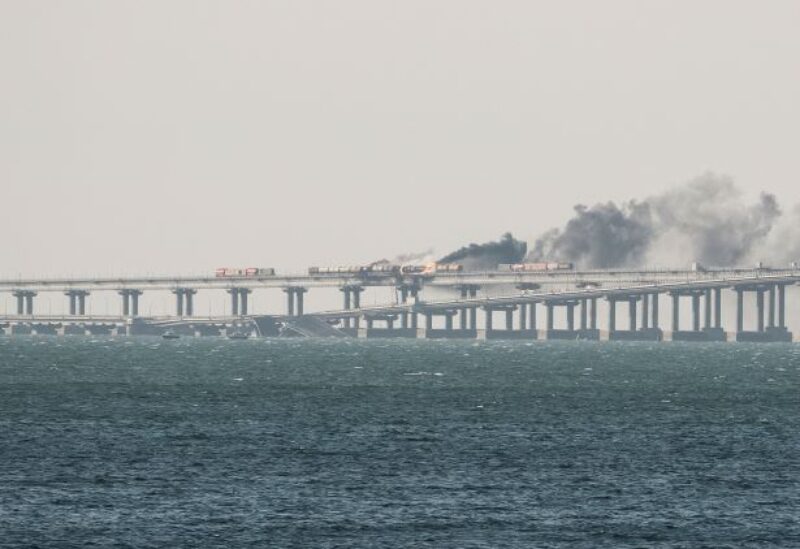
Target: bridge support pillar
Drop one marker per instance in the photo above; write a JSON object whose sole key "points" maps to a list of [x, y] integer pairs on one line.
{"points": [[77, 301], [707, 332], [24, 301], [184, 301], [189, 298], [352, 300], [632, 313], [676, 312], [739, 310], [760, 309], [612, 315], [645, 311], [775, 329], [130, 302], [294, 300], [239, 299], [654, 312]]}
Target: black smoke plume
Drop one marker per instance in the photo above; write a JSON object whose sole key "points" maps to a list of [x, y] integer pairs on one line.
{"points": [[490, 254], [705, 220]]}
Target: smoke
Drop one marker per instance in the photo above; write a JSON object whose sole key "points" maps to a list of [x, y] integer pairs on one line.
{"points": [[605, 235], [425, 256], [705, 220], [488, 255]]}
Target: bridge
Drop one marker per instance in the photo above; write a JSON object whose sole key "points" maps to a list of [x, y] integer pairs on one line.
{"points": [[559, 294]]}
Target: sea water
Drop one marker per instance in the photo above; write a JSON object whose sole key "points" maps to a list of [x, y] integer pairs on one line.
{"points": [[145, 443]]}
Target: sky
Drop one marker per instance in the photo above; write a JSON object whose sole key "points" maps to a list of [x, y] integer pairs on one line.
{"points": [[179, 136]]}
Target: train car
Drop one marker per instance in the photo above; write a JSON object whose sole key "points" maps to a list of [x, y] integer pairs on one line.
{"points": [[339, 270], [535, 267], [246, 272], [376, 269], [412, 269], [384, 268]]}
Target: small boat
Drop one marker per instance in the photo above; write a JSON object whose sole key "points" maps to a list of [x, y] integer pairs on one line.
{"points": [[169, 334], [238, 335]]}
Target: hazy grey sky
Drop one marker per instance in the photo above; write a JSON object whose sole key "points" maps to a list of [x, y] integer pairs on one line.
{"points": [[186, 135]]}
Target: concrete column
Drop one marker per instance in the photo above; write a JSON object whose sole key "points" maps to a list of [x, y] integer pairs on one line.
{"points": [[82, 303], [243, 293], [654, 310], [189, 297], [760, 309], [473, 318], [290, 301], [488, 319], [369, 323], [300, 293], [126, 298], [135, 302], [72, 302], [523, 316], [584, 313], [718, 308], [414, 320], [593, 316], [771, 317], [509, 319], [696, 312], [20, 303], [403, 315], [178, 301], [347, 321], [570, 316], [428, 321], [550, 317], [29, 303], [357, 297], [448, 322], [612, 314], [781, 306], [462, 319], [632, 314], [234, 301], [676, 312], [346, 292], [645, 311], [390, 323], [739, 310], [532, 315], [707, 312]]}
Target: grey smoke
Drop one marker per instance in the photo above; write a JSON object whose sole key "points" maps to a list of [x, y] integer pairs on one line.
{"points": [[488, 255], [605, 235], [705, 220]]}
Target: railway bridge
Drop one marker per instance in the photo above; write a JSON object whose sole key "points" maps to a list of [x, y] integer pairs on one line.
{"points": [[530, 305]]}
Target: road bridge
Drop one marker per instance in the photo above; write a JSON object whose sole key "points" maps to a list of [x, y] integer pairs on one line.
{"points": [[415, 317]]}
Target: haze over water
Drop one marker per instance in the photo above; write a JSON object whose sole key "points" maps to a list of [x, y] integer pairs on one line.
{"points": [[311, 443]]}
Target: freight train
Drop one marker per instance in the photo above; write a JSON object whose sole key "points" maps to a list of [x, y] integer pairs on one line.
{"points": [[247, 272], [387, 269]]}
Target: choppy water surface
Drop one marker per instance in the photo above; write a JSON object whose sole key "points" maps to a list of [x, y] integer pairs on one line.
{"points": [[277, 443]]}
